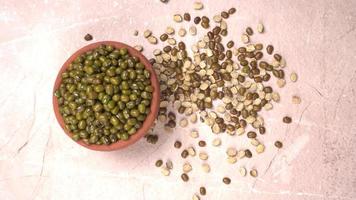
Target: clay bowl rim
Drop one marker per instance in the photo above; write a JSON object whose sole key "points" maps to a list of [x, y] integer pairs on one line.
{"points": [[149, 121]]}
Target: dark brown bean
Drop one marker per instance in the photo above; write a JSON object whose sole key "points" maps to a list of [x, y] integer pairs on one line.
{"points": [[241, 79], [249, 31], [167, 49], [251, 134], [248, 153], [263, 102], [229, 106], [152, 139], [243, 123], [235, 120], [242, 90], [269, 49], [249, 96], [262, 130], [216, 30], [202, 143], [266, 77], [181, 45], [226, 180], [275, 73], [229, 56], [202, 191], [258, 55], [233, 111], [231, 11], [163, 37], [223, 32], [177, 144], [211, 45], [277, 57], [255, 71], [181, 109], [205, 25], [219, 120], [230, 44], [230, 127], [268, 89], [205, 19], [171, 116], [250, 55], [263, 64], [184, 153], [257, 108], [287, 120], [278, 144], [281, 73], [185, 177], [152, 61], [159, 163], [186, 17], [171, 124], [174, 51], [88, 37], [258, 79], [269, 68], [241, 49], [197, 20], [217, 38], [244, 62], [210, 35], [253, 113], [220, 95], [224, 14]]}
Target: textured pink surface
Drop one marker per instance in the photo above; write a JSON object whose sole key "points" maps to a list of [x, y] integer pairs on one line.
{"points": [[37, 161]]}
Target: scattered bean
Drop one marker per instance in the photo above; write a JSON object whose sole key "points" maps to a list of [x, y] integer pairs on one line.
{"points": [[226, 180], [165, 171], [217, 142], [293, 77], [287, 120], [177, 144], [202, 143], [296, 100], [177, 18], [88, 37], [187, 168], [195, 197], [202, 191], [242, 171], [147, 33], [186, 17], [198, 5], [278, 144], [206, 167], [249, 31], [254, 173], [185, 177], [182, 32], [159, 163], [260, 28]]}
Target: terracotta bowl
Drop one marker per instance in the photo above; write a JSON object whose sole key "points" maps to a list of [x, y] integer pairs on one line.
{"points": [[154, 102]]}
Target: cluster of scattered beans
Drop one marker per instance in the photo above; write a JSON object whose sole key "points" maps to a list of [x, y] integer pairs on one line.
{"points": [[105, 95], [217, 83], [235, 77]]}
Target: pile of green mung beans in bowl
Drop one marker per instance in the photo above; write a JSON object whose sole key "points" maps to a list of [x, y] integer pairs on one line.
{"points": [[104, 96]]}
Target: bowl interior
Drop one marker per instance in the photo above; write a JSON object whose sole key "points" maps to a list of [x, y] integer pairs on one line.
{"points": [[154, 101]]}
